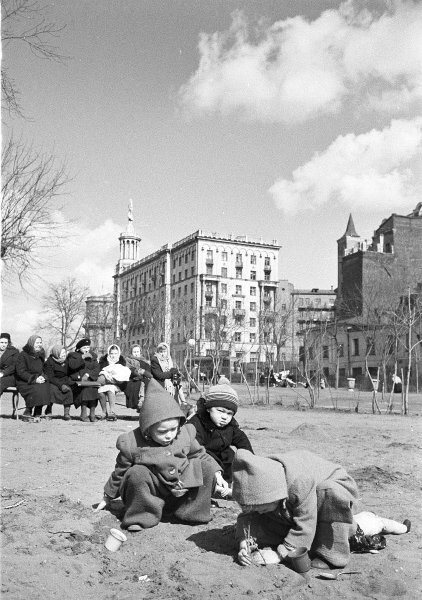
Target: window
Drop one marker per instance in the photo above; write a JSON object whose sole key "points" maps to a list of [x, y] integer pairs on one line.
{"points": [[300, 301], [185, 291], [224, 256], [238, 272], [186, 259], [267, 276], [325, 352], [341, 350], [238, 259], [252, 322], [238, 290], [317, 301], [192, 287], [223, 303], [223, 271], [355, 346], [224, 288], [252, 306], [252, 338], [307, 301], [179, 292], [186, 273], [208, 301], [174, 263], [192, 271], [178, 337], [238, 336], [180, 261], [267, 261], [193, 254], [180, 276], [253, 275], [208, 288], [253, 259], [173, 293], [254, 357], [209, 254], [252, 291], [191, 302], [238, 304], [174, 278], [209, 269], [283, 307]]}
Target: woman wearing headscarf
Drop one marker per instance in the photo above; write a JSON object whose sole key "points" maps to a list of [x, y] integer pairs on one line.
{"points": [[8, 357], [84, 368], [31, 379], [57, 370], [140, 369], [113, 373], [164, 371]]}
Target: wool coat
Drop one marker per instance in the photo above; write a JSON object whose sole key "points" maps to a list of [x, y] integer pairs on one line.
{"points": [[78, 367], [315, 509], [58, 375], [217, 440], [141, 374], [7, 367], [29, 366], [158, 373]]}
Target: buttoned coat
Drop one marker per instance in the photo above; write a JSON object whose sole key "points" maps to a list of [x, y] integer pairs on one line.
{"points": [[7, 367]]}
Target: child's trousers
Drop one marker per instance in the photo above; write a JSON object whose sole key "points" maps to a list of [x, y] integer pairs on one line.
{"points": [[145, 498]]}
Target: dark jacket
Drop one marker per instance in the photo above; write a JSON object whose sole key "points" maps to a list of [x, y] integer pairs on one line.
{"points": [[78, 366], [7, 366], [28, 367], [217, 440], [179, 461], [58, 374], [158, 373]]}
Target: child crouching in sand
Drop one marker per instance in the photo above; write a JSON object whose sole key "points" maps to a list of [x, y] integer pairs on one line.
{"points": [[219, 432], [161, 466]]}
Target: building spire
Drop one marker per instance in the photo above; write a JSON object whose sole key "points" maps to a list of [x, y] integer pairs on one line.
{"points": [[129, 228], [350, 229]]}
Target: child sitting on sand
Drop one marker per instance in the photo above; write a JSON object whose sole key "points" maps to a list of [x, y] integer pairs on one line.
{"points": [[298, 499], [217, 429], [161, 466]]}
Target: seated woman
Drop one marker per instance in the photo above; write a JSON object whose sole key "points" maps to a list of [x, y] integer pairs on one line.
{"points": [[84, 368], [292, 500], [8, 357], [166, 373], [57, 370], [134, 389], [113, 373], [31, 379]]}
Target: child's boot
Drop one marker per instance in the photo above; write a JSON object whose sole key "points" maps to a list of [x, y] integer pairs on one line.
{"points": [[67, 413], [84, 413]]}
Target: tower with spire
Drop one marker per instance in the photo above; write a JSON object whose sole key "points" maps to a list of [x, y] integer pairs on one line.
{"points": [[349, 243], [129, 243]]}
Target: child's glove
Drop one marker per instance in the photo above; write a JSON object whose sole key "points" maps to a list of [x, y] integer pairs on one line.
{"points": [[103, 504]]}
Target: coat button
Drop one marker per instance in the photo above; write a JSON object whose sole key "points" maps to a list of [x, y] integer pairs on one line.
{"points": [[172, 471]]}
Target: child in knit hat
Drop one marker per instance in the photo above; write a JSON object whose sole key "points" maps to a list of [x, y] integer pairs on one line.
{"points": [[298, 499], [161, 466], [217, 430]]}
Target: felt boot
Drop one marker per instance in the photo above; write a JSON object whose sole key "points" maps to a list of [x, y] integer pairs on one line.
{"points": [[84, 413], [66, 416], [92, 416]]}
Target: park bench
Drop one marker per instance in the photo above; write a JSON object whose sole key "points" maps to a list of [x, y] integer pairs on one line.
{"points": [[15, 399]]}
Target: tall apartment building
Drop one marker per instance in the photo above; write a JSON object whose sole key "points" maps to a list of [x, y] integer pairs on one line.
{"points": [[99, 321], [207, 287]]}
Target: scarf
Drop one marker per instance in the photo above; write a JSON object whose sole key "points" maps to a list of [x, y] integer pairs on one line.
{"points": [[55, 353], [109, 359], [166, 363], [30, 345]]}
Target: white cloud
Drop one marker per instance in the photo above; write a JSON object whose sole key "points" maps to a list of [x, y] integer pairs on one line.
{"points": [[369, 171], [297, 69]]}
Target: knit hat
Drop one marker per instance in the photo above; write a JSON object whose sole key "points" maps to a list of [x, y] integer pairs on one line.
{"points": [[223, 379], [222, 395], [257, 479], [82, 343], [158, 405], [6, 336]]}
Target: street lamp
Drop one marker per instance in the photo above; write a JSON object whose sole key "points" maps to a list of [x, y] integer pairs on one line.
{"points": [[191, 345], [348, 330]]}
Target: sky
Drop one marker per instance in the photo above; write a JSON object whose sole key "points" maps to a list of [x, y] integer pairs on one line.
{"points": [[270, 118]]}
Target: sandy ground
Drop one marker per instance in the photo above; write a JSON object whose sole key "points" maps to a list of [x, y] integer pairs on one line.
{"points": [[52, 543]]}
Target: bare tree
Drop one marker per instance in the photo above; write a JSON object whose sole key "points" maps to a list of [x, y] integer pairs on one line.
{"points": [[31, 180], [30, 185], [64, 310], [24, 23]]}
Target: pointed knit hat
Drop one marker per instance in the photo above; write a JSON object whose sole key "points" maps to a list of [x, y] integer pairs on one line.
{"points": [[257, 479], [158, 405]]}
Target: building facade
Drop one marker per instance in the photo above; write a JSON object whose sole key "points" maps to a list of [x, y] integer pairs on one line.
{"points": [[99, 321], [217, 290]]}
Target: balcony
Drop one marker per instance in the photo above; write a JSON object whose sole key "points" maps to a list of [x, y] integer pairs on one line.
{"points": [[210, 310], [266, 298], [208, 294], [209, 261], [239, 312], [267, 268]]}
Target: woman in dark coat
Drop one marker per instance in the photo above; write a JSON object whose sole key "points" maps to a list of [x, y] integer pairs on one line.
{"points": [[57, 370], [31, 379], [8, 357], [84, 367], [134, 389]]}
